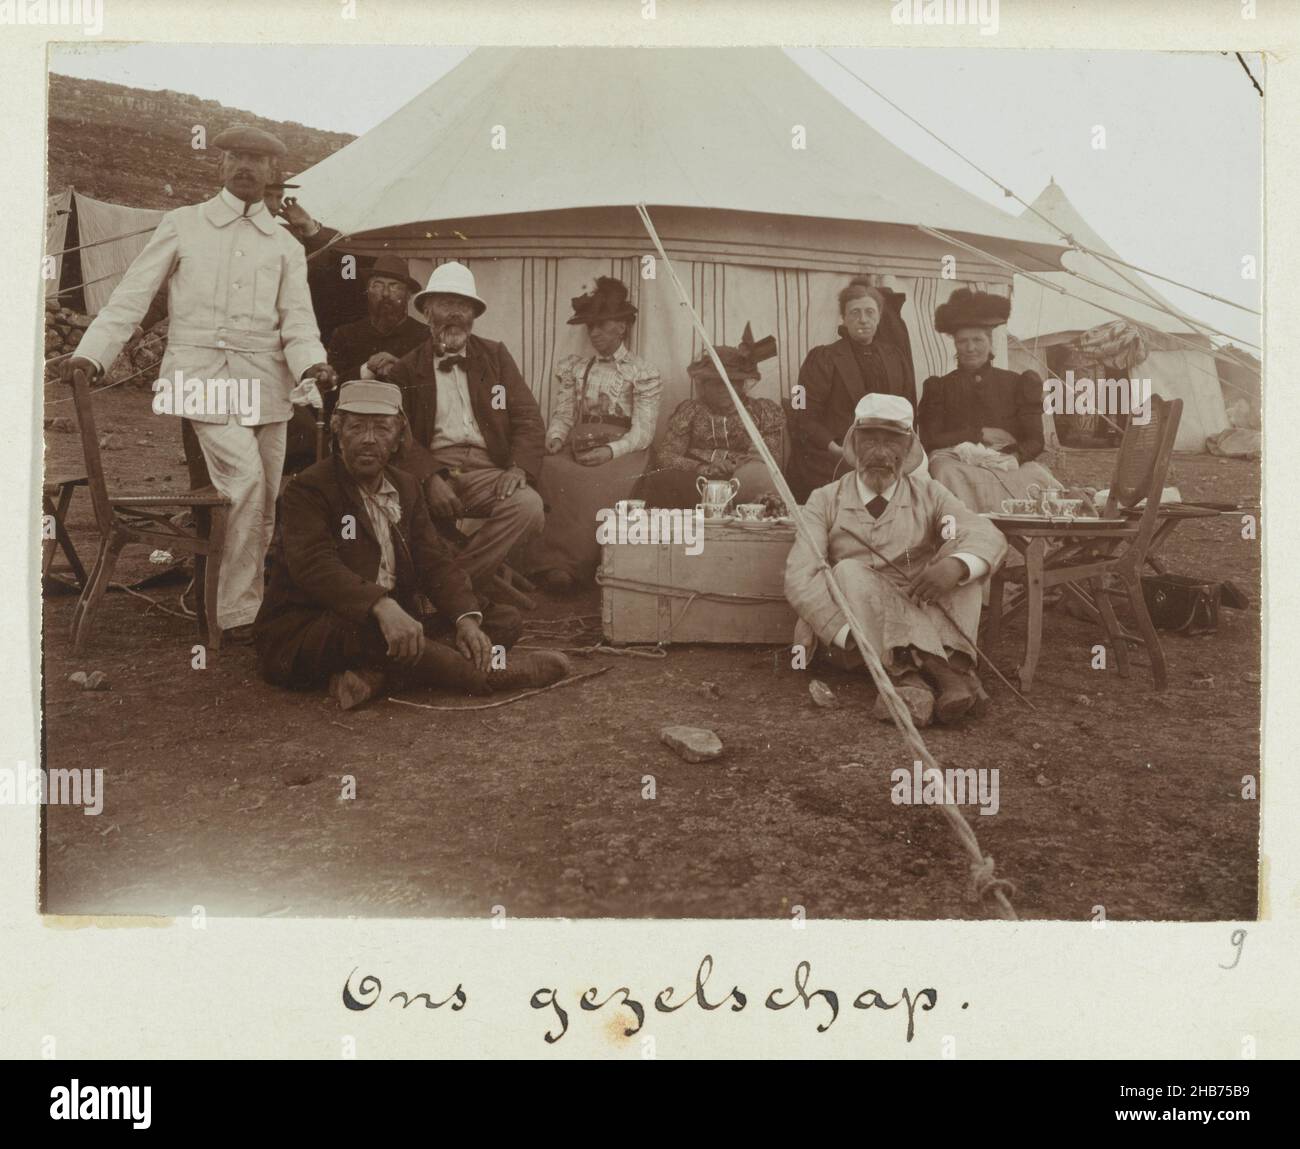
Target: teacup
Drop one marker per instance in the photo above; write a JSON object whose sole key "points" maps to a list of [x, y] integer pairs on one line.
{"points": [[749, 512], [1060, 507], [1020, 506], [712, 510]]}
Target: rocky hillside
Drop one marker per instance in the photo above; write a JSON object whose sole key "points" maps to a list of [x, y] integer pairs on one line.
{"points": [[133, 147]]}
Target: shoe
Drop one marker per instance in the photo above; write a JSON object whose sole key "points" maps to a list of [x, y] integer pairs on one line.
{"points": [[528, 669], [556, 581], [954, 694], [355, 688], [916, 695], [239, 635]]}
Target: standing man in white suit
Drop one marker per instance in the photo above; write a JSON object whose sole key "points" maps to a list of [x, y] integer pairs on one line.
{"points": [[239, 309]]}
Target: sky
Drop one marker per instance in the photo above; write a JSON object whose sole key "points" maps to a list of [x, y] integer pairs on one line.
{"points": [[1177, 187]]}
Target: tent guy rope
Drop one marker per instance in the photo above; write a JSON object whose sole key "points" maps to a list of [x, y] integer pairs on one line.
{"points": [[981, 867]]}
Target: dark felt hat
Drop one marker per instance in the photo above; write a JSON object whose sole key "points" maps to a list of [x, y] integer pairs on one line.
{"points": [[607, 300], [740, 361], [391, 266], [966, 308], [249, 138]]}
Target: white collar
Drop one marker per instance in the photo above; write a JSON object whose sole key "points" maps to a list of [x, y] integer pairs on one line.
{"points": [[866, 494], [237, 205]]}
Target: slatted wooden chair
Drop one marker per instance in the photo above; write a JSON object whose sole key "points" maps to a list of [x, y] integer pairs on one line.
{"points": [[146, 519], [1082, 558]]}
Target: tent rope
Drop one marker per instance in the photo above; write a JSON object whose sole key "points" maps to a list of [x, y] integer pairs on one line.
{"points": [[897, 709], [1003, 188]]}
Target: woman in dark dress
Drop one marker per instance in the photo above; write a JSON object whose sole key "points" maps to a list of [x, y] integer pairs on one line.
{"points": [[982, 426]]}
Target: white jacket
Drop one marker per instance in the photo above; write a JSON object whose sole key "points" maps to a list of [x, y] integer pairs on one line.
{"points": [[237, 297]]}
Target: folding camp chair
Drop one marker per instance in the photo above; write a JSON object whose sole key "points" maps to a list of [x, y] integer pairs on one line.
{"points": [[1086, 555], [148, 520]]}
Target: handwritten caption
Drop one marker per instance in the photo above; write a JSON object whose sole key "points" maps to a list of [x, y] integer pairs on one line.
{"points": [[368, 992]]}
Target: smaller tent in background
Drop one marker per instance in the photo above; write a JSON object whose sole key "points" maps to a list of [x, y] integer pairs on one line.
{"points": [[1046, 324], [106, 237]]}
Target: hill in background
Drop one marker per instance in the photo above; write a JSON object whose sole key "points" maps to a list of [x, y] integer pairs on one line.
{"points": [[126, 145]]}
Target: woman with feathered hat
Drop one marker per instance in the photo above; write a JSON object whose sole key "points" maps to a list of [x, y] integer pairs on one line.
{"points": [[603, 421], [705, 436], [982, 426]]}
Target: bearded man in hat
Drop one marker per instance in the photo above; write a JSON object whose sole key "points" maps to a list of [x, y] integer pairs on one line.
{"points": [[476, 430], [872, 356], [901, 547], [705, 437], [358, 555], [239, 309], [603, 420], [982, 426]]}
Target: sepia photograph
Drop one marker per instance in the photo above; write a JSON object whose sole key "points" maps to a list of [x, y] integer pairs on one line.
{"points": [[650, 482]]}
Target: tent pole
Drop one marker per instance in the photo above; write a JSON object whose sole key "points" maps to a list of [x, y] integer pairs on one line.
{"points": [[981, 863]]}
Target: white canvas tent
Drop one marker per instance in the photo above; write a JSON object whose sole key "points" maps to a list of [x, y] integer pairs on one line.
{"points": [[108, 238], [1180, 362], [527, 164]]}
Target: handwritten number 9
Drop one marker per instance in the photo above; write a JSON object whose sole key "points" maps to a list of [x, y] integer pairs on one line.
{"points": [[1238, 939]]}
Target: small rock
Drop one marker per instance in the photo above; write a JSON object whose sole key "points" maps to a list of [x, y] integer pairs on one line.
{"points": [[78, 678], [96, 680], [110, 443], [918, 700], [63, 424], [1083, 700], [1042, 780], [851, 766], [142, 442], [692, 743], [710, 690], [822, 694], [1204, 683]]}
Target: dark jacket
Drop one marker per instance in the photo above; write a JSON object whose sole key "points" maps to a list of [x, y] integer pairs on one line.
{"points": [[334, 280], [956, 407], [354, 343], [317, 567], [510, 420], [832, 383]]}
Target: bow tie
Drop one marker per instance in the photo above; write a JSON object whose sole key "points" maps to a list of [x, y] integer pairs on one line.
{"points": [[877, 506], [604, 359], [448, 362]]}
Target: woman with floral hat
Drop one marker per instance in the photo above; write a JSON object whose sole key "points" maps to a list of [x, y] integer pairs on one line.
{"points": [[602, 424], [705, 436]]}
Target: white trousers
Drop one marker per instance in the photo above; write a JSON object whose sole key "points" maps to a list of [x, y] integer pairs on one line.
{"points": [[244, 464]]}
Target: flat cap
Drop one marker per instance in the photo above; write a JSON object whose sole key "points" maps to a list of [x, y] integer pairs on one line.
{"points": [[249, 138], [888, 412], [370, 397]]}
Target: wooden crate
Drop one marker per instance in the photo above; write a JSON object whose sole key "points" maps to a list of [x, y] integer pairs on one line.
{"points": [[647, 589]]}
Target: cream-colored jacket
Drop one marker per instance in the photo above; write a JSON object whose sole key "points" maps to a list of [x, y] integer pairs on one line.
{"points": [[237, 298]]}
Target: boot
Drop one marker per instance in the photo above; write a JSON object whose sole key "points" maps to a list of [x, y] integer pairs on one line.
{"points": [[353, 688], [528, 669], [953, 687]]}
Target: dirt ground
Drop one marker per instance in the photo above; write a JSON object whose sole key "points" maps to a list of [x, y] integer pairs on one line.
{"points": [[225, 792]]}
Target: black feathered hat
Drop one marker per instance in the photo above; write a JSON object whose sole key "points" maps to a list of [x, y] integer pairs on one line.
{"points": [[740, 361], [966, 308]]}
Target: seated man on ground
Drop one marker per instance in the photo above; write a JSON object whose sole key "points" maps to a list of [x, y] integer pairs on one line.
{"points": [[705, 437], [358, 552], [904, 550]]}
